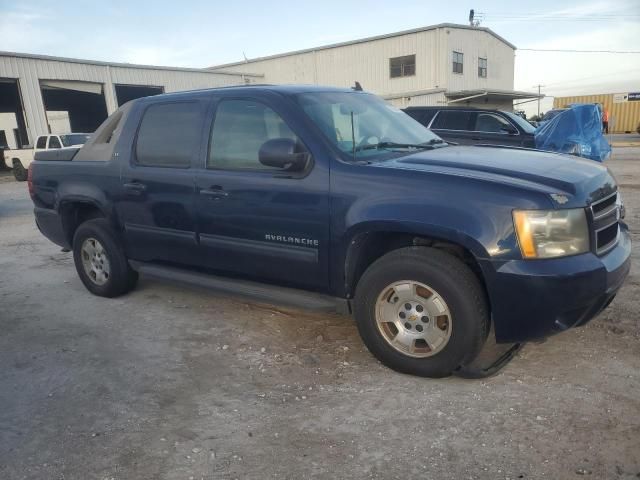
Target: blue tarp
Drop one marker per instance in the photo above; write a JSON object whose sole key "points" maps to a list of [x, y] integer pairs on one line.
{"points": [[577, 131]]}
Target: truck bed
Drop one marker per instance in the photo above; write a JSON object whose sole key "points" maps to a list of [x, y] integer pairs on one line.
{"points": [[58, 154]]}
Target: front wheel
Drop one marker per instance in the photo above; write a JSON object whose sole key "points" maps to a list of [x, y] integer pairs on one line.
{"points": [[19, 172], [100, 260], [421, 311]]}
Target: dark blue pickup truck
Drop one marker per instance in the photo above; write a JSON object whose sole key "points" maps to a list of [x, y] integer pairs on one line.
{"points": [[334, 197]]}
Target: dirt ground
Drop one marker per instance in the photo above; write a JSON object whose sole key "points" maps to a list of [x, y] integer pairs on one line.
{"points": [[173, 382]]}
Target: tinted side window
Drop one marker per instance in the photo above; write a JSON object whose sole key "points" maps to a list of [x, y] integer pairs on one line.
{"points": [[452, 120], [169, 135], [54, 142], [42, 142], [239, 130], [422, 116], [489, 122]]}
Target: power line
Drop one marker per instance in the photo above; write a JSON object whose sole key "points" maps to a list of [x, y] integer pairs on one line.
{"points": [[550, 20], [539, 87], [619, 13], [578, 16], [577, 51], [592, 77], [559, 17]]}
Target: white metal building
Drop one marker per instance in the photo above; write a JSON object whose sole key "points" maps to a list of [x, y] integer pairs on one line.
{"points": [[42, 94], [433, 65]]}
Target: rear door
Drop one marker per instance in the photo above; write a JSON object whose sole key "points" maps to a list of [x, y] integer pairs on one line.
{"points": [[422, 115], [41, 144], [256, 220], [493, 128], [156, 201], [454, 126]]}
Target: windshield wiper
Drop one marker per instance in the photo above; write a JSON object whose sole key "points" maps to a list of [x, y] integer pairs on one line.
{"points": [[420, 146]]}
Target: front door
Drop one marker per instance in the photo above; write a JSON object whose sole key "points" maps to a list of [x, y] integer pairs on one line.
{"points": [[257, 220], [156, 201], [494, 129]]}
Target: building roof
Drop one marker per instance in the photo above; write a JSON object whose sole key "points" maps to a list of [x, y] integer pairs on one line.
{"points": [[369, 39], [494, 94], [116, 64]]}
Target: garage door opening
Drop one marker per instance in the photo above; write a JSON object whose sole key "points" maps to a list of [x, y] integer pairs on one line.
{"points": [[126, 93], [13, 128], [73, 106]]}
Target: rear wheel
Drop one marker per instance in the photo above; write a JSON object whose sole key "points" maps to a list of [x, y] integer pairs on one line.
{"points": [[19, 172], [421, 311], [100, 260]]}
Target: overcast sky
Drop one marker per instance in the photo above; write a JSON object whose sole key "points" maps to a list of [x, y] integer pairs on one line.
{"points": [[204, 33]]}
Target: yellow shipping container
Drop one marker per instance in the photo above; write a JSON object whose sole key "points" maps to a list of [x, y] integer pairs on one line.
{"points": [[623, 116]]}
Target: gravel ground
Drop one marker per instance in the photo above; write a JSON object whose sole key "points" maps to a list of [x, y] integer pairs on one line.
{"points": [[172, 382]]}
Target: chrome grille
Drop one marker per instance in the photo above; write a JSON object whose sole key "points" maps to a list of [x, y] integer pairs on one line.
{"points": [[605, 217]]}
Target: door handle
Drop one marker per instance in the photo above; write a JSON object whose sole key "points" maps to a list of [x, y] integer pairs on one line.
{"points": [[214, 192], [135, 188]]}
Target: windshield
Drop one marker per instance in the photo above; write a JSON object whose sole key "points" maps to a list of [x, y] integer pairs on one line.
{"points": [[74, 139], [526, 126], [375, 123]]}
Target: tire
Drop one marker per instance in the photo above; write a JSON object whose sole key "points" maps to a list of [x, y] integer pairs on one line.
{"points": [[100, 260], [19, 172], [447, 292]]}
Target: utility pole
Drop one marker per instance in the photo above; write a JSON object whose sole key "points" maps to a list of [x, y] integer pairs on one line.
{"points": [[539, 87]]}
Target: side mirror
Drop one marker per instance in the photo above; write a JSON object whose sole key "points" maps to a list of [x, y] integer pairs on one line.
{"points": [[510, 130], [283, 153]]}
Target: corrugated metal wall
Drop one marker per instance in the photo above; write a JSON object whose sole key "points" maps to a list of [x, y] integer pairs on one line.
{"points": [[475, 45], [29, 71], [368, 63], [623, 117], [436, 99]]}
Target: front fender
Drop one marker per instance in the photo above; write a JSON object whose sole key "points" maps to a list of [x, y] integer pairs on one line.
{"points": [[485, 230], [419, 229]]}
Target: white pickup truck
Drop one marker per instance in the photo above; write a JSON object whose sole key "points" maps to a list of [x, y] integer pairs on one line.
{"points": [[19, 160]]}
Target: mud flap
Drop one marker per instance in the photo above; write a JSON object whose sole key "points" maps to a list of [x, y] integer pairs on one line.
{"points": [[492, 358]]}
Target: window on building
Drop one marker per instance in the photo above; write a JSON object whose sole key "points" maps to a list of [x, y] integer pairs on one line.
{"points": [[452, 120], [482, 67], [42, 142], [240, 128], [402, 66], [169, 135], [457, 62], [54, 142]]}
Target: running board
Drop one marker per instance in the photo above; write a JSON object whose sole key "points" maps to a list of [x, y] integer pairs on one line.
{"points": [[271, 294]]}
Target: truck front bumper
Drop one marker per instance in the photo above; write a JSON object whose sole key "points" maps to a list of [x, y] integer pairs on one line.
{"points": [[532, 299]]}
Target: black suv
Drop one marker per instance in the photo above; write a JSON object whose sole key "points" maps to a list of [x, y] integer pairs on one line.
{"points": [[471, 126]]}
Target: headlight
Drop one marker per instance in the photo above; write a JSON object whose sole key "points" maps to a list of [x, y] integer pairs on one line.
{"points": [[551, 233]]}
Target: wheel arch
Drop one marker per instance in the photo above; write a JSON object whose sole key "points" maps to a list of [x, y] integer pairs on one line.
{"points": [[75, 211], [365, 245]]}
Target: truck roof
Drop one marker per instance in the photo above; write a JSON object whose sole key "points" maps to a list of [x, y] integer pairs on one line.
{"points": [[283, 89]]}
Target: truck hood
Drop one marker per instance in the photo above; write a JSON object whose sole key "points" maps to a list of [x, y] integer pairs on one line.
{"points": [[579, 180]]}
